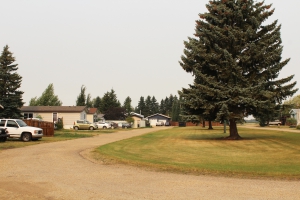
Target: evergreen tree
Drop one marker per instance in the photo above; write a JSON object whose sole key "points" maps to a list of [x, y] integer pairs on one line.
{"points": [[97, 103], [81, 99], [176, 111], [114, 100], [154, 106], [170, 104], [10, 82], [48, 98], [235, 61], [109, 100], [127, 105], [147, 111], [166, 106], [162, 108], [141, 106]]}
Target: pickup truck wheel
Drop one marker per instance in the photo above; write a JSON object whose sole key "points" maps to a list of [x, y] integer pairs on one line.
{"points": [[26, 137], [76, 128], [104, 127], [91, 128]]}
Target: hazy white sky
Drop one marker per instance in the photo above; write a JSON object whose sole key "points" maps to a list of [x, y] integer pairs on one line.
{"points": [[130, 46]]}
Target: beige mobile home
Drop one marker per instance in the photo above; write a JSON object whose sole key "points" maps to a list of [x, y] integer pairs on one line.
{"points": [[69, 114]]}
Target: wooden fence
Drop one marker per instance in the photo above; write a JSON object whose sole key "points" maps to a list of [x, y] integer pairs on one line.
{"points": [[48, 127], [191, 124]]}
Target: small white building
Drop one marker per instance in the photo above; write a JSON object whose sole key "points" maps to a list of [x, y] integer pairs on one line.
{"points": [[295, 114], [153, 119], [139, 120]]}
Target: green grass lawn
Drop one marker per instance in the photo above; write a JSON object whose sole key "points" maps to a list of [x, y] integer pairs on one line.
{"points": [[59, 135], [194, 150]]}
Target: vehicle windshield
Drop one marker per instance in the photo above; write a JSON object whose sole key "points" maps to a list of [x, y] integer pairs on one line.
{"points": [[21, 123]]}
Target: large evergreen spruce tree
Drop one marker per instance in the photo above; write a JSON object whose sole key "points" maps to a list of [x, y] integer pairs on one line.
{"points": [[141, 106], [235, 60], [109, 101], [127, 105], [10, 82], [97, 103]]}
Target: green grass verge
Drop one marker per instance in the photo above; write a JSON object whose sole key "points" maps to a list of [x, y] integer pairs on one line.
{"points": [[194, 150], [59, 135]]}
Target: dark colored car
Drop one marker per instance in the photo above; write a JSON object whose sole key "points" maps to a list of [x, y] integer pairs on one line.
{"points": [[3, 134], [126, 125], [114, 125]]}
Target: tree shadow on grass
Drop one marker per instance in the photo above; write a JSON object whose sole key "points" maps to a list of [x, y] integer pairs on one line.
{"points": [[219, 137]]}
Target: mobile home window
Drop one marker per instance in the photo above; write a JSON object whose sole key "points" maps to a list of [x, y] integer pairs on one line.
{"points": [[28, 115]]}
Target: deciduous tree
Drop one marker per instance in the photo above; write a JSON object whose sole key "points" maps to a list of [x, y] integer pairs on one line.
{"points": [[48, 98], [81, 99]]}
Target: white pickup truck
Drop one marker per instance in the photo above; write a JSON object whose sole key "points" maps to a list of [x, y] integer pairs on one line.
{"points": [[276, 122], [19, 129]]}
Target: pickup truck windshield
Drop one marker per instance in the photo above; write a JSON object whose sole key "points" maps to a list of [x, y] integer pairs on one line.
{"points": [[21, 123]]}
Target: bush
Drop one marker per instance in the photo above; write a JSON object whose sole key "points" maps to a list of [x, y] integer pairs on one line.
{"points": [[298, 127], [262, 124], [291, 121], [130, 120], [60, 124]]}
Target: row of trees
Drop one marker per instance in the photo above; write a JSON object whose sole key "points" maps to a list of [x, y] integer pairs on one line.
{"points": [[169, 106], [111, 107]]}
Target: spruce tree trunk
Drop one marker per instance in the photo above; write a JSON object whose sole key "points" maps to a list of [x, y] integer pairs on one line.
{"points": [[234, 135], [209, 125]]}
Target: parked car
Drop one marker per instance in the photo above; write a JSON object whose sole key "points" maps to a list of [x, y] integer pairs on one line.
{"points": [[126, 125], [114, 125], [159, 123], [17, 128], [3, 134], [167, 123], [84, 125], [276, 122], [103, 125]]}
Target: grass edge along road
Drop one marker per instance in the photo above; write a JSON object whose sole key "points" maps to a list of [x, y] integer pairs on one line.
{"points": [[262, 153], [59, 135]]}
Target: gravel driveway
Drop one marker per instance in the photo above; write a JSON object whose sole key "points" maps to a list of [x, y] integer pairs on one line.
{"points": [[61, 170]]}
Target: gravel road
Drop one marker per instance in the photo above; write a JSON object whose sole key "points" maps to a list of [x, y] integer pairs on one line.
{"points": [[62, 170]]}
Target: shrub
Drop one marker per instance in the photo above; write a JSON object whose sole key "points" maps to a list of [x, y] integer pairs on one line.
{"points": [[60, 124], [130, 120], [291, 121]]}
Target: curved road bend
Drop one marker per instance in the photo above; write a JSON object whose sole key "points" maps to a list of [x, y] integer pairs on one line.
{"points": [[56, 171]]}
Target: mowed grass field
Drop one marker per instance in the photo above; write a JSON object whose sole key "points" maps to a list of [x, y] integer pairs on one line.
{"points": [[195, 150]]}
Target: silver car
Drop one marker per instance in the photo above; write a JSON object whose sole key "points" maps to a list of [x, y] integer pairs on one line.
{"points": [[103, 125]]}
